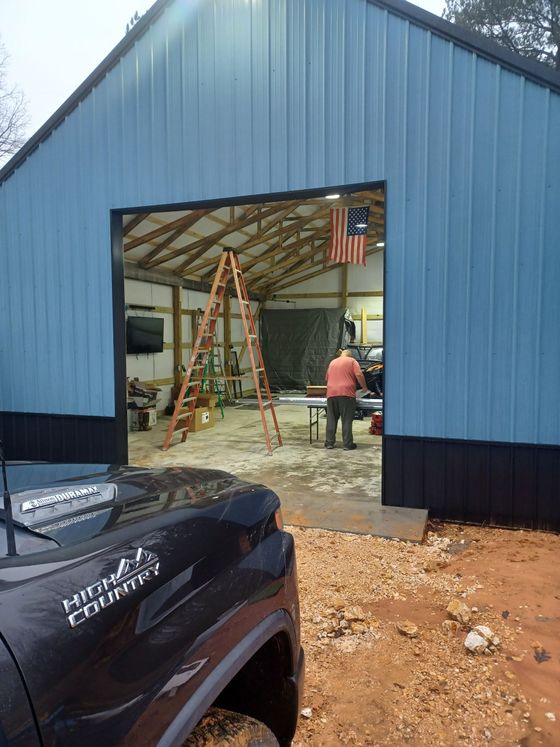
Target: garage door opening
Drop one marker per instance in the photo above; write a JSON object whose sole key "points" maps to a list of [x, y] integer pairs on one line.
{"points": [[307, 304]]}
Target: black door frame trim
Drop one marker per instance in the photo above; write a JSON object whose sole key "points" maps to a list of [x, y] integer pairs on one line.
{"points": [[117, 264]]}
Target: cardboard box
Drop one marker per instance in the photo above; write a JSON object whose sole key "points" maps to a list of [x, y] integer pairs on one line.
{"points": [[316, 391], [142, 418], [202, 419], [206, 399]]}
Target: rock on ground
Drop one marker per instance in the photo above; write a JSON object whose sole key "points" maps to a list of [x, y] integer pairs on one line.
{"points": [[368, 684]]}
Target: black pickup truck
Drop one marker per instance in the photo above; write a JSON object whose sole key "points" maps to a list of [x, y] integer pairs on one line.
{"points": [[145, 607]]}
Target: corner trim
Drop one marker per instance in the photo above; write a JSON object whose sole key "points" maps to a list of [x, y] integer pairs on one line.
{"points": [[119, 339], [481, 482]]}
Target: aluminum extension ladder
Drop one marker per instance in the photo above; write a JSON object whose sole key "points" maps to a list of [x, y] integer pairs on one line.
{"points": [[202, 348]]}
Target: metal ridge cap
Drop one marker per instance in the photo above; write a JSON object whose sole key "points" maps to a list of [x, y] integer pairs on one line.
{"points": [[535, 71], [84, 89]]}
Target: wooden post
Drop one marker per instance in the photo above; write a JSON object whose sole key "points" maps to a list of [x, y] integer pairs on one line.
{"points": [[194, 328], [344, 286], [177, 336], [363, 336], [227, 334]]}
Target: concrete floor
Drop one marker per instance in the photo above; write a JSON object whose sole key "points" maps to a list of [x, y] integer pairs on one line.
{"points": [[333, 489]]}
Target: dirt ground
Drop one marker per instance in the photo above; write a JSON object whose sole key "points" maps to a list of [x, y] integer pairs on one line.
{"points": [[369, 684]]}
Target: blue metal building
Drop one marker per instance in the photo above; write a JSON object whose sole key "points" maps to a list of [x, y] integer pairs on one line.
{"points": [[206, 100]]}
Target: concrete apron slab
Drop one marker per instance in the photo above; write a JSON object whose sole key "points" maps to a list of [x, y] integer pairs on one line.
{"points": [[381, 521], [318, 487]]}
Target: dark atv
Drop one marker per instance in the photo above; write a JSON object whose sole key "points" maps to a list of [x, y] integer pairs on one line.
{"points": [[136, 602]]}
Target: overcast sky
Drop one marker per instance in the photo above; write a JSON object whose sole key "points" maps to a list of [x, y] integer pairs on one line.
{"points": [[55, 44]]}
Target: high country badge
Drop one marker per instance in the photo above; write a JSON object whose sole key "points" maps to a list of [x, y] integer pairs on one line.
{"points": [[130, 575]]}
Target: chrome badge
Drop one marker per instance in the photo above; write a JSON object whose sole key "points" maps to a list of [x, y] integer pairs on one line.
{"points": [[51, 499], [130, 575]]}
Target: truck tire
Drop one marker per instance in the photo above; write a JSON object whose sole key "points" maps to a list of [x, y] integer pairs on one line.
{"points": [[220, 728]]}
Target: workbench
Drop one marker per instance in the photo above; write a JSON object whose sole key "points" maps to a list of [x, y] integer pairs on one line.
{"points": [[316, 404]]}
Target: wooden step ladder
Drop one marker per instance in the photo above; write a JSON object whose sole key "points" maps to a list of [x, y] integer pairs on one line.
{"points": [[202, 347]]}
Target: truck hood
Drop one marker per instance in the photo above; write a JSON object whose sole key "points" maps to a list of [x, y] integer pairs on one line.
{"points": [[62, 504]]}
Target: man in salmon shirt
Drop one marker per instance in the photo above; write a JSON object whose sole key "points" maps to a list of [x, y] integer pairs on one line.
{"points": [[341, 377]]}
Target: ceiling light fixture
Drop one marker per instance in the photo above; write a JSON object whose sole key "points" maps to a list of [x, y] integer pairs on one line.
{"points": [[380, 243], [332, 197]]}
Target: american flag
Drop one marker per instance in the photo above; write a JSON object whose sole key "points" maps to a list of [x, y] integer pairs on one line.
{"points": [[349, 235]]}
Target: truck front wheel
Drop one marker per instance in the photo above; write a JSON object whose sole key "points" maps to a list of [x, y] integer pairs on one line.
{"points": [[221, 728]]}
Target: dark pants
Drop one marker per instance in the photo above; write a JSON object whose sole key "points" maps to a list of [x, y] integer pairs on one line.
{"points": [[343, 408]]}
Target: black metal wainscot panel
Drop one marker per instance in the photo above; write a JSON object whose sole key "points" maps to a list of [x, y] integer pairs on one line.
{"points": [[62, 438], [484, 482]]}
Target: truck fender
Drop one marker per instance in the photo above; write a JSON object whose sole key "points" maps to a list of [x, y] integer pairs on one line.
{"points": [[191, 713]]}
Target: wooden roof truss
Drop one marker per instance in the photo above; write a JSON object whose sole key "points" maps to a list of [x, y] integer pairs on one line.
{"points": [[280, 243]]}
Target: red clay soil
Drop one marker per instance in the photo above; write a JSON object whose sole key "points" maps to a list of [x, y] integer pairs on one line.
{"points": [[369, 684]]}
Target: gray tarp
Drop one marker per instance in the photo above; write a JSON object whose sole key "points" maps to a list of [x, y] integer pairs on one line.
{"points": [[297, 345]]}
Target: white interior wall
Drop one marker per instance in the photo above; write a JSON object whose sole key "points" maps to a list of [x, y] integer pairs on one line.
{"points": [[151, 366], [159, 366], [365, 279]]}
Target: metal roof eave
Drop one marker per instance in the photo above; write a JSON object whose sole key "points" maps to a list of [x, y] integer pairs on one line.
{"points": [[492, 51], [535, 71]]}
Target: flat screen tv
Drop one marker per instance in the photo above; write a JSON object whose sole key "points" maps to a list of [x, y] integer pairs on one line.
{"points": [[144, 334]]}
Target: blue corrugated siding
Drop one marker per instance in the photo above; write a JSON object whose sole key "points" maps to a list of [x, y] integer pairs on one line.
{"points": [[231, 98]]}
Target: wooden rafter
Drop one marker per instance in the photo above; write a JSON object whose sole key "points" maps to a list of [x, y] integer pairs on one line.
{"points": [[182, 250], [278, 242], [300, 224], [266, 283], [184, 222], [303, 279], [133, 222], [198, 248], [211, 261], [287, 251], [193, 218], [289, 258], [298, 265]]}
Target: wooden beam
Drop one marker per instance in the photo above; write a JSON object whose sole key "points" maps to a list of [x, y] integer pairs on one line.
{"points": [[344, 279], [363, 330], [181, 222], [334, 294], [295, 269], [288, 259], [269, 255], [366, 294], [212, 261], [293, 228], [177, 336], [267, 236], [197, 248], [194, 325], [158, 309], [303, 279], [133, 222], [298, 224], [298, 266], [195, 216], [159, 382]]}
